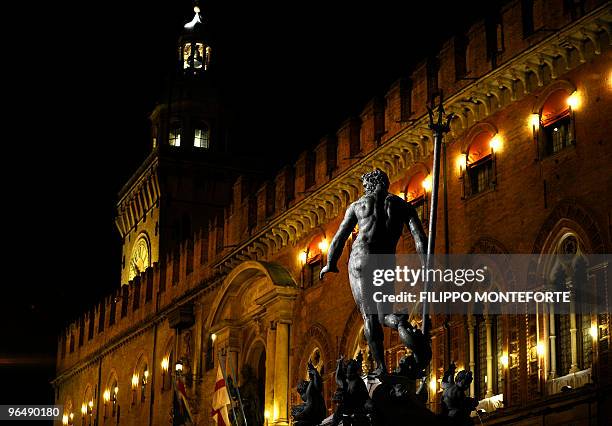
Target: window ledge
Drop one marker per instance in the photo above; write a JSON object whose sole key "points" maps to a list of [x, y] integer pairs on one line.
{"points": [[480, 194], [568, 150]]}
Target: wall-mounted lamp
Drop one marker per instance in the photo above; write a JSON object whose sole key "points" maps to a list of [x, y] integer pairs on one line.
{"points": [[433, 384], [179, 366], [496, 143], [165, 363], [540, 348], [594, 331], [302, 257], [324, 245], [504, 360], [574, 100], [427, 183], [461, 163], [534, 121], [106, 395], [135, 381]]}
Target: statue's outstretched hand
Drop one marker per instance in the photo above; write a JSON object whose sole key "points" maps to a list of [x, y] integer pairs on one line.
{"points": [[326, 269]]}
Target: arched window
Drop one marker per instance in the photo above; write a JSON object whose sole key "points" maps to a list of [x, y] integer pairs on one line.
{"points": [[87, 407], [479, 173], [313, 260], [556, 123], [68, 416], [110, 397], [201, 136], [416, 194]]}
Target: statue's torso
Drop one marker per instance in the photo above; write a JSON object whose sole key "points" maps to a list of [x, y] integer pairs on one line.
{"points": [[380, 220]]}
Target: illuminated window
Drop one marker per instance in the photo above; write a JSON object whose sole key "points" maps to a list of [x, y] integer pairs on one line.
{"points": [[480, 171], [416, 195], [195, 56], [556, 124], [174, 138], [201, 137]]}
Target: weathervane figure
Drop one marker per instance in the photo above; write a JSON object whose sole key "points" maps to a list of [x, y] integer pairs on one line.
{"points": [[381, 217]]}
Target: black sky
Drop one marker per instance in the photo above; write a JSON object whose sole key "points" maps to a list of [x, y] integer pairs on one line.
{"points": [[85, 76]]}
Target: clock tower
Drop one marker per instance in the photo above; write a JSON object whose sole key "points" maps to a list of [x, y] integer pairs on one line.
{"points": [[187, 178]]}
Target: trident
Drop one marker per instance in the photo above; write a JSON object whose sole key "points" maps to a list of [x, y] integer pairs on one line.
{"points": [[439, 129]]}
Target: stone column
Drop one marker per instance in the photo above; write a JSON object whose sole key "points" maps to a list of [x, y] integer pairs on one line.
{"points": [[281, 375], [573, 339], [546, 342], [270, 358], [489, 332], [553, 344], [472, 360]]}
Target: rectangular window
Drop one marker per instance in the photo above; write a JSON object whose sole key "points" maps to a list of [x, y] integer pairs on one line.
{"points": [[557, 135], [480, 175], [420, 205], [201, 138], [174, 138]]}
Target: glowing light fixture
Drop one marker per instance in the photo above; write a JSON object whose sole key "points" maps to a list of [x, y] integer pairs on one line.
{"points": [[90, 403], [540, 348], [496, 143], [433, 385], [534, 120], [116, 390], [427, 183], [164, 363], [504, 360], [135, 381], [213, 337], [323, 245], [461, 163], [574, 100], [83, 408], [106, 395], [179, 366], [302, 257], [593, 331], [65, 419], [71, 416]]}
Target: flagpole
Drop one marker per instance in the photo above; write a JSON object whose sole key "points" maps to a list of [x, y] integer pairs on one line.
{"points": [[226, 386]]}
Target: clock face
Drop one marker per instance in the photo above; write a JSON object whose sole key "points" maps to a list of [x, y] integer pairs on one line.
{"points": [[140, 259]]}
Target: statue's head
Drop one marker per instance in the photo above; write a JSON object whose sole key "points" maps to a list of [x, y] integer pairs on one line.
{"points": [[463, 379], [302, 387], [375, 181]]}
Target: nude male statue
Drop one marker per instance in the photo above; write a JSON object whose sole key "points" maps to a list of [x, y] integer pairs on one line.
{"points": [[381, 217]]}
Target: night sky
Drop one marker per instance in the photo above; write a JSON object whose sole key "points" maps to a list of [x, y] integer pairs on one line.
{"points": [[84, 78]]}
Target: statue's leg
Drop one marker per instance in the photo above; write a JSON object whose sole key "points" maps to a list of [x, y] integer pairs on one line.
{"points": [[373, 331], [372, 327]]}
